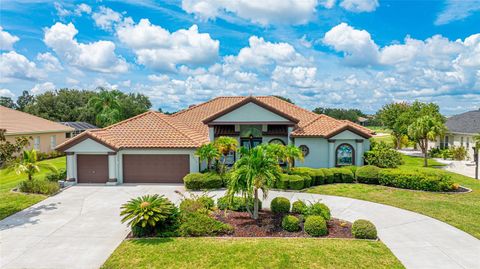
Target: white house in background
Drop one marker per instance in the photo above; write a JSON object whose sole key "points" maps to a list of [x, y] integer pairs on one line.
{"points": [[158, 148], [461, 130]]}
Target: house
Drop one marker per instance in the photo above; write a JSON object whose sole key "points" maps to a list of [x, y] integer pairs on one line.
{"points": [[157, 148], [78, 126], [460, 132], [45, 134]]}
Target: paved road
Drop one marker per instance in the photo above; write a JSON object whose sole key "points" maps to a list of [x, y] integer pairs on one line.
{"points": [[80, 228]]}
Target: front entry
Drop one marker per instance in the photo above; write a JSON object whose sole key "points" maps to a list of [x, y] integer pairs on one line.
{"points": [[92, 168], [250, 142]]}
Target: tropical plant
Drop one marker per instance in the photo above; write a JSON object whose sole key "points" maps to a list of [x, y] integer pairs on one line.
{"points": [[424, 129], [382, 155], [255, 170], [225, 145], [28, 164], [476, 138], [9, 150], [207, 152], [392, 116], [107, 107], [292, 153], [277, 150]]}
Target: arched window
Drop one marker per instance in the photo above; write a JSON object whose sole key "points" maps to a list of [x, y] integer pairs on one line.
{"points": [[345, 155]]}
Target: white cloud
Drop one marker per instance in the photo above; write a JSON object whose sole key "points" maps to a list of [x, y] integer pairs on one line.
{"points": [[457, 10], [71, 81], [83, 8], [106, 18], [359, 5], [303, 77], [7, 40], [97, 56], [263, 12], [49, 62], [17, 66], [327, 3], [42, 87], [161, 50], [61, 11], [6, 93]]}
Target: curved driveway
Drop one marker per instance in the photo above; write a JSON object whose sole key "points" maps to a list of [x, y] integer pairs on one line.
{"points": [[80, 228]]}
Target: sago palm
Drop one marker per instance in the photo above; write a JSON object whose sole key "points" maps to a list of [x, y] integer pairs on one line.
{"points": [[207, 152], [148, 210], [28, 164]]}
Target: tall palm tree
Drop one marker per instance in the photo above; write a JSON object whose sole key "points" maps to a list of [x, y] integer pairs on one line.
{"points": [[207, 152], [30, 165], [107, 107], [292, 152], [255, 170], [425, 129]]}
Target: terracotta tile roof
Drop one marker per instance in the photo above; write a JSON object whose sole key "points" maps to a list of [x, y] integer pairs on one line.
{"points": [[18, 122], [186, 129]]}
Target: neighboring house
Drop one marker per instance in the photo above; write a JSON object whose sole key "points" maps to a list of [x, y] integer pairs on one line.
{"points": [[45, 134], [362, 121], [78, 126], [158, 148], [460, 132]]}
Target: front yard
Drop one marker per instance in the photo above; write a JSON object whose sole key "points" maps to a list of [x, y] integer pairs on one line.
{"points": [[10, 202], [460, 210], [251, 253]]}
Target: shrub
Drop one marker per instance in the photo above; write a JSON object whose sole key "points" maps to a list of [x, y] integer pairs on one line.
{"points": [[296, 182], [282, 182], [382, 155], [290, 223], [319, 209], [315, 226], [197, 203], [198, 224], [306, 173], [319, 177], [426, 180], [328, 175], [61, 174], [39, 186], [368, 174], [280, 205], [198, 181], [149, 214], [458, 153], [352, 168], [237, 204], [364, 229], [299, 207], [342, 175]]}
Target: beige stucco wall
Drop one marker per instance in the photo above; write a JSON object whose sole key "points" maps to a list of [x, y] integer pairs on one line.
{"points": [[456, 140], [44, 145]]}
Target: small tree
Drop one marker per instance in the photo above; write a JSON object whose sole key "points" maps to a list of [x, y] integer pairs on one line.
{"points": [[30, 165], [9, 150], [425, 129], [207, 152], [256, 169], [292, 152], [225, 145]]}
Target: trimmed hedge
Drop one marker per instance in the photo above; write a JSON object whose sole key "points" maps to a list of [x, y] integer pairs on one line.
{"points": [[368, 174], [352, 168], [280, 205], [315, 226], [61, 174], [364, 229], [199, 224], [342, 175], [299, 207], [306, 173], [199, 181], [39, 186], [290, 223], [328, 175], [416, 180], [318, 209], [238, 204]]}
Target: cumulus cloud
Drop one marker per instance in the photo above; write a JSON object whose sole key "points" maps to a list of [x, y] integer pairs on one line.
{"points": [[17, 66], [61, 11], [7, 40], [6, 93], [42, 87], [157, 48], [457, 10], [359, 5], [83, 8], [106, 18], [302, 77], [49, 62], [96, 56]]}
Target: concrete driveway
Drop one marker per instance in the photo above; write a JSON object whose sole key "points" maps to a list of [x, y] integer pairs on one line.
{"points": [[80, 228]]}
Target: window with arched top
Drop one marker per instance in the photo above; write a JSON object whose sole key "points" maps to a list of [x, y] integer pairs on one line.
{"points": [[345, 155]]}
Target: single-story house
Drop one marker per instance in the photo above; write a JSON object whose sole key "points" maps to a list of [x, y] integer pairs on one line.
{"points": [[461, 129], [78, 126], [157, 148], [45, 134]]}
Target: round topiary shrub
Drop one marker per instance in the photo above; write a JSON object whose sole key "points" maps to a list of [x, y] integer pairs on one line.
{"points": [[290, 223], [296, 182], [316, 226], [319, 209], [368, 174], [364, 229], [299, 207], [280, 205]]}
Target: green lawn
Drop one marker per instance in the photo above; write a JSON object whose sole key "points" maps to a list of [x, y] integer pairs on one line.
{"points": [[459, 210], [379, 129], [251, 253], [11, 203]]}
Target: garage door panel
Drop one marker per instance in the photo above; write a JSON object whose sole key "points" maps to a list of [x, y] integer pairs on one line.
{"points": [[145, 168], [92, 168]]}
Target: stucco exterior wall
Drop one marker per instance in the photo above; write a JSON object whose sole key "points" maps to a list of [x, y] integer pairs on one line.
{"points": [[318, 155], [45, 138], [251, 112], [456, 140]]}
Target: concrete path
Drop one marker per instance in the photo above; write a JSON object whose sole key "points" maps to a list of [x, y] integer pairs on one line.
{"points": [[80, 228]]}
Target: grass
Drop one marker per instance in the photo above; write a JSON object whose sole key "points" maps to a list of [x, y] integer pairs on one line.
{"points": [[379, 129], [11, 203], [459, 210], [251, 253]]}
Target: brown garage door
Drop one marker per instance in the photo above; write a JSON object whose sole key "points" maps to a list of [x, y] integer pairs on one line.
{"points": [[155, 168], [92, 168]]}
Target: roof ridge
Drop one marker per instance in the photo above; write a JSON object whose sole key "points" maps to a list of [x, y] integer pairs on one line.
{"points": [[174, 126], [288, 103], [127, 120], [202, 104]]}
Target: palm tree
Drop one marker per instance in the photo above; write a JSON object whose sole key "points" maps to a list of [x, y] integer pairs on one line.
{"points": [[425, 129], [207, 152], [30, 165], [255, 170], [291, 153], [107, 107], [277, 150], [225, 145], [476, 138]]}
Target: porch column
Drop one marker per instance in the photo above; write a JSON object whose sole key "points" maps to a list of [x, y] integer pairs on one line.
{"points": [[331, 152], [112, 167], [70, 166], [359, 152], [211, 133]]}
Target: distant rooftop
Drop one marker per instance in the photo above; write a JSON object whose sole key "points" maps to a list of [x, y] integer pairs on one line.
{"points": [[79, 125], [468, 122]]}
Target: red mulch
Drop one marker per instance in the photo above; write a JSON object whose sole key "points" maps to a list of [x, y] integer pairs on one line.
{"points": [[270, 225]]}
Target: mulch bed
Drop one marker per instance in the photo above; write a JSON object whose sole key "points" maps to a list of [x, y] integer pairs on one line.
{"points": [[270, 225]]}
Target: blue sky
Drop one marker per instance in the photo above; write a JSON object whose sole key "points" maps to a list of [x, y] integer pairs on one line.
{"points": [[331, 53]]}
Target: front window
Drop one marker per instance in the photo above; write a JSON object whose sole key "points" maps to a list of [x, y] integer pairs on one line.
{"points": [[344, 155], [250, 142], [36, 143], [53, 141]]}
